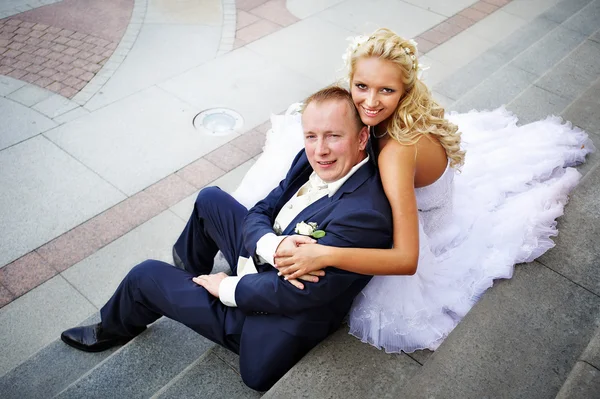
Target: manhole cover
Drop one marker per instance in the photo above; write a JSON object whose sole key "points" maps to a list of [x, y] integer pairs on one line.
{"points": [[218, 121]]}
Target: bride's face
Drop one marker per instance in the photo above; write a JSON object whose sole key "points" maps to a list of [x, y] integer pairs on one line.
{"points": [[376, 89]]}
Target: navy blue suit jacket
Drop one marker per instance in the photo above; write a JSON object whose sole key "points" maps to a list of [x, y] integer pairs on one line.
{"points": [[282, 322]]}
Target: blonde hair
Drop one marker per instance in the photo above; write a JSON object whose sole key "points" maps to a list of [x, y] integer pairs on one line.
{"points": [[417, 114]]}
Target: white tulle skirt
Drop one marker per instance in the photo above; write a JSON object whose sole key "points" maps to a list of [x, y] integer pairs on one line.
{"points": [[514, 184]]}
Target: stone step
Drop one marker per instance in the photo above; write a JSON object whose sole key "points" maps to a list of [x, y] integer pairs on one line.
{"points": [[214, 375], [143, 366], [584, 379]]}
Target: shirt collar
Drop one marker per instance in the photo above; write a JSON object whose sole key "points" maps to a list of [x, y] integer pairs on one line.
{"points": [[319, 184]]}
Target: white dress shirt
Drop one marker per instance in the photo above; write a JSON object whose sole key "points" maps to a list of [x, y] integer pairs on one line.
{"points": [[313, 190]]}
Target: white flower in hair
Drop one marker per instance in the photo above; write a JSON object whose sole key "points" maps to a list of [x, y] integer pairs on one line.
{"points": [[355, 42], [414, 43], [420, 69]]}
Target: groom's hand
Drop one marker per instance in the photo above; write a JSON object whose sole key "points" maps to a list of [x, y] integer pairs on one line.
{"points": [[210, 282]]}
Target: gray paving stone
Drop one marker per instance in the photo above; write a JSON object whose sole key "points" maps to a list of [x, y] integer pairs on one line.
{"points": [[536, 103], [144, 365], [343, 367], [583, 383], [465, 79], [20, 123], [591, 354], [9, 85], [97, 276], [520, 341], [209, 377], [544, 54], [29, 95], [577, 255], [55, 105], [421, 356], [596, 37], [50, 370], [37, 318], [587, 20], [498, 89], [564, 10], [71, 115], [45, 192], [524, 37], [574, 74]]}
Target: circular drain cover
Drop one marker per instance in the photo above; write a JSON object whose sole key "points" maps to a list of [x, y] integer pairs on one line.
{"points": [[218, 121]]}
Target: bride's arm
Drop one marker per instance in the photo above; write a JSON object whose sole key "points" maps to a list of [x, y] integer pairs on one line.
{"points": [[397, 170]]}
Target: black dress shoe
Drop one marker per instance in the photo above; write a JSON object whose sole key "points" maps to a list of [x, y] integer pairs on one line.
{"points": [[92, 338]]}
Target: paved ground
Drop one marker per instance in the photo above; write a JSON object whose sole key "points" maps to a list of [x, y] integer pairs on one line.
{"points": [[99, 161]]}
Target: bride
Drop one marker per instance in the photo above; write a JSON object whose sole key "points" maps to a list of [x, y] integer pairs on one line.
{"points": [[466, 206]]}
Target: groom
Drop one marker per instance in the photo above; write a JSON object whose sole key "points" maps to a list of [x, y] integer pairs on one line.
{"points": [[269, 322]]}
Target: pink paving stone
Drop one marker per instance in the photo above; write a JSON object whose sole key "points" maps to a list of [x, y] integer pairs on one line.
{"points": [[251, 142], [98, 50], [55, 86], [23, 31], [3, 49], [5, 69], [20, 38], [71, 51], [6, 296], [247, 5], [79, 63], [21, 65], [64, 68], [17, 74], [61, 40], [88, 46], [36, 34], [26, 273], [80, 85], [257, 30], [72, 81], [461, 21], [424, 45], [42, 52], [66, 59], [135, 210], [448, 28], [84, 55], [237, 43], [38, 60], [7, 36], [68, 92], [4, 42], [8, 28], [45, 44], [86, 76], [244, 19], [54, 30], [435, 36], [66, 33], [275, 11], [94, 58], [29, 49], [170, 190], [40, 27], [228, 157], [111, 46], [263, 127], [27, 25], [8, 61], [16, 45], [26, 57], [484, 7], [33, 40], [59, 76], [498, 3], [107, 53], [200, 173], [34, 69], [47, 72], [54, 56], [74, 43], [78, 36], [12, 53], [51, 64], [97, 41], [93, 68], [44, 81], [49, 36], [30, 77], [14, 22], [59, 48], [473, 14]]}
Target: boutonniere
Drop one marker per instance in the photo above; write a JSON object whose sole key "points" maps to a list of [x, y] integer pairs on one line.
{"points": [[309, 229]]}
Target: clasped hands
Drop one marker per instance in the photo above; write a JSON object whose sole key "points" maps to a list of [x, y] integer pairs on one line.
{"points": [[294, 259]]}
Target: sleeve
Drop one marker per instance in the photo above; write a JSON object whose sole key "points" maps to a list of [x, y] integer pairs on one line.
{"points": [[267, 292]]}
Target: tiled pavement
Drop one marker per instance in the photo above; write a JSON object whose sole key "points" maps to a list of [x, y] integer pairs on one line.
{"points": [[138, 162]]}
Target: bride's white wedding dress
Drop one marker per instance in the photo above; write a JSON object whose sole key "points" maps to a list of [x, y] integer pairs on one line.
{"points": [[475, 225]]}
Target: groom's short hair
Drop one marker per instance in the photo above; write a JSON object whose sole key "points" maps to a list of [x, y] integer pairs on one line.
{"points": [[335, 93]]}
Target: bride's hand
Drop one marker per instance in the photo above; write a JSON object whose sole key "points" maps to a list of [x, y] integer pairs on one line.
{"points": [[305, 259]]}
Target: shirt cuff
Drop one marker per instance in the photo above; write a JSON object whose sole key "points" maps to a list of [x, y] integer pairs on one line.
{"points": [[266, 247], [227, 290]]}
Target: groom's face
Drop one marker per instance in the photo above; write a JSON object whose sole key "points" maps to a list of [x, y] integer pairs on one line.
{"points": [[333, 140]]}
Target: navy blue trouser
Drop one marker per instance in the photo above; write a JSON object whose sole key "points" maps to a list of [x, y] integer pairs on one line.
{"points": [[153, 288]]}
